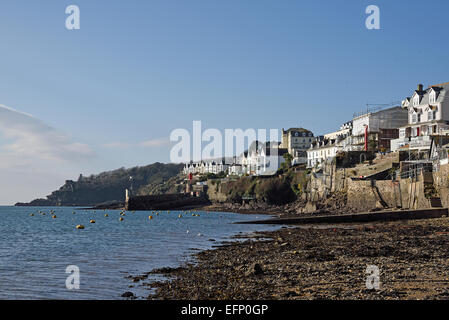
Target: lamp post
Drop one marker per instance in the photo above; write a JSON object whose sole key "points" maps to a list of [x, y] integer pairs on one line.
{"points": [[131, 185]]}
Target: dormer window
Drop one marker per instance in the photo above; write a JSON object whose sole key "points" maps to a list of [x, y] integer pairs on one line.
{"points": [[432, 97], [416, 101]]}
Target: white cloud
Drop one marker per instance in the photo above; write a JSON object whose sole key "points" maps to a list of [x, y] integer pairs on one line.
{"points": [[35, 158], [156, 143], [117, 145], [161, 142], [29, 139]]}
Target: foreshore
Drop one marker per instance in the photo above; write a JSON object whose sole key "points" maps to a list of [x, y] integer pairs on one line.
{"points": [[319, 262]]}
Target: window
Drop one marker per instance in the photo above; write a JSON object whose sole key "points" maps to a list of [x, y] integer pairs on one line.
{"points": [[416, 101], [430, 115], [419, 117], [432, 97], [414, 118]]}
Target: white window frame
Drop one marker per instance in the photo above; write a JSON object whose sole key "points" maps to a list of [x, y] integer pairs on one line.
{"points": [[432, 97]]}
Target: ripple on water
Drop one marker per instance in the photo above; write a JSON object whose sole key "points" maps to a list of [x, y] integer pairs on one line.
{"points": [[39, 248]]}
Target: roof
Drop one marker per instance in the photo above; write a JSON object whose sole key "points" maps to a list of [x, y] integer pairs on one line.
{"points": [[440, 84], [442, 89], [296, 129], [323, 144]]}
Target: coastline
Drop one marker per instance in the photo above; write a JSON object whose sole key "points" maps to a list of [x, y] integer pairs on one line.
{"points": [[326, 262]]}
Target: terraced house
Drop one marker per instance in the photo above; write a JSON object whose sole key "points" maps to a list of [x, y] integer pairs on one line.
{"points": [[205, 167], [428, 116]]}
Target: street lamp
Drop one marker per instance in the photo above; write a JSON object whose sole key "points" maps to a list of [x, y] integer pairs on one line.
{"points": [[131, 184]]}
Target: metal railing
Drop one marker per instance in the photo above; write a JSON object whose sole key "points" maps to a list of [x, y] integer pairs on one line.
{"points": [[415, 170]]}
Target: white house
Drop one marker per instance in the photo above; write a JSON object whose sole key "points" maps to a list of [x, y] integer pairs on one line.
{"points": [[262, 160], [320, 151], [206, 167], [344, 131], [428, 115], [235, 169]]}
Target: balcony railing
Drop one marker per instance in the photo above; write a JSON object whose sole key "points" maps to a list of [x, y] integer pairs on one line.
{"points": [[420, 142]]}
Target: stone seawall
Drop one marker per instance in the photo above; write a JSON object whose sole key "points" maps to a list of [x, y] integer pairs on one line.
{"points": [[421, 192], [383, 194], [165, 202]]}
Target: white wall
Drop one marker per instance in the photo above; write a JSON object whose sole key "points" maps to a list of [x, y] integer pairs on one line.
{"points": [[358, 125]]}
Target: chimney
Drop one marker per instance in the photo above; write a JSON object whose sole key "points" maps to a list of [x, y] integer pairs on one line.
{"points": [[420, 87]]}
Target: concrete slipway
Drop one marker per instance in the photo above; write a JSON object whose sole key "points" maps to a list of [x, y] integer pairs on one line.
{"points": [[359, 217]]}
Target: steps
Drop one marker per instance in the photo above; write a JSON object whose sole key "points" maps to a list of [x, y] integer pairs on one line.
{"points": [[430, 192], [435, 202]]}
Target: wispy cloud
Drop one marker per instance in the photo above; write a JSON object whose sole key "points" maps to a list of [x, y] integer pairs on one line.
{"points": [[156, 143], [161, 142], [27, 138]]}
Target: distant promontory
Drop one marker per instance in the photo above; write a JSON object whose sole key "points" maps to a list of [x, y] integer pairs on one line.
{"points": [[109, 187]]}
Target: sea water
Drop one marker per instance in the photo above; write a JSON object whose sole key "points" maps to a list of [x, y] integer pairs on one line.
{"points": [[36, 250]]}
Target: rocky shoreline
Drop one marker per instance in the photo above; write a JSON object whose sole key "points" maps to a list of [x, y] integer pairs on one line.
{"points": [[321, 262]]}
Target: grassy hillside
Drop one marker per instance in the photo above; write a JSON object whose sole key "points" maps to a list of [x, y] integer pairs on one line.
{"points": [[109, 186]]}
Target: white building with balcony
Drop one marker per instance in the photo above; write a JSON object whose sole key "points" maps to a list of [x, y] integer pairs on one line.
{"points": [[428, 115]]}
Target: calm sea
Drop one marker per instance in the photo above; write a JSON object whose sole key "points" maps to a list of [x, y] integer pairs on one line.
{"points": [[35, 250]]}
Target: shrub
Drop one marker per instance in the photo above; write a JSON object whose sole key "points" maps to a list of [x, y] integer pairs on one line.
{"points": [[275, 191]]}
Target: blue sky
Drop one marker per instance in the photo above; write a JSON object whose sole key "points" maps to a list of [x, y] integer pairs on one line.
{"points": [[136, 70]]}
